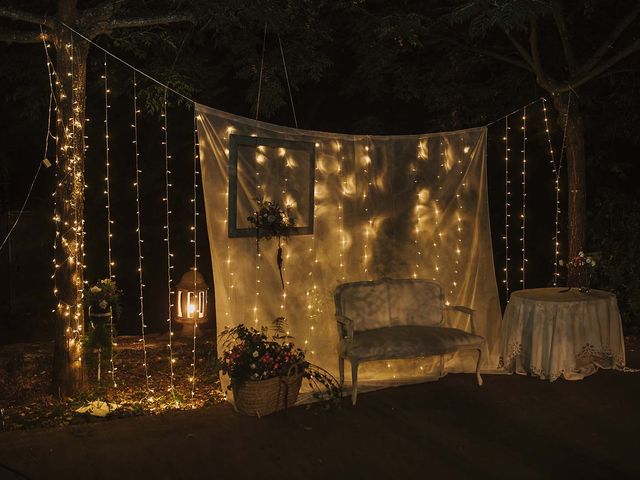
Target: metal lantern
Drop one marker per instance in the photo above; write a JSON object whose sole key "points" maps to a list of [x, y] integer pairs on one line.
{"points": [[191, 301]]}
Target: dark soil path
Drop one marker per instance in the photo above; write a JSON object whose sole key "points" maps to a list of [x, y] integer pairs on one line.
{"points": [[512, 427]]}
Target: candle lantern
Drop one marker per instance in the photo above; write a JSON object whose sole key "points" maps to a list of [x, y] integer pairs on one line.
{"points": [[191, 301]]}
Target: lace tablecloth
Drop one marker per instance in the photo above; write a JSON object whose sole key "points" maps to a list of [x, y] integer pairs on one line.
{"points": [[552, 333]]}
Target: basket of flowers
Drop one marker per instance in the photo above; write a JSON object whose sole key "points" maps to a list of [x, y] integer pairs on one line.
{"points": [[266, 370]]}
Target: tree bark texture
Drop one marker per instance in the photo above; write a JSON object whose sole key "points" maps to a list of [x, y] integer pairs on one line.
{"points": [[70, 86], [576, 173]]}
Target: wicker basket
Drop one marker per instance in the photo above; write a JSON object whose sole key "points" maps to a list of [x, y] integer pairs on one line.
{"points": [[262, 397]]}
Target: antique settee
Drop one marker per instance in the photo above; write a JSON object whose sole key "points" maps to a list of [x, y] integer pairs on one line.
{"points": [[392, 319]]}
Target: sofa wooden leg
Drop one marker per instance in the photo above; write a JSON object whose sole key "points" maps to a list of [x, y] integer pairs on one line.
{"points": [[341, 370], [478, 377], [354, 382]]}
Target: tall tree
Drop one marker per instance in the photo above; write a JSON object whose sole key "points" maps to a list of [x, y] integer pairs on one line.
{"points": [[539, 37], [561, 45], [51, 25]]}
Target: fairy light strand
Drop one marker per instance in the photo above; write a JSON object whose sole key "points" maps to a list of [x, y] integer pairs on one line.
{"points": [[437, 238], [343, 191], [365, 202], [524, 197], [313, 306], [416, 241], [167, 158], [143, 340], [507, 204], [194, 228], [51, 73], [107, 192]]}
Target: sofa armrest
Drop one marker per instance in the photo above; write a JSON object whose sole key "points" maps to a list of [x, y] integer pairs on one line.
{"points": [[345, 327], [465, 310]]}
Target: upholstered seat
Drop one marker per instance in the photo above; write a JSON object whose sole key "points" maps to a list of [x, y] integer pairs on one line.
{"points": [[405, 342], [391, 319]]}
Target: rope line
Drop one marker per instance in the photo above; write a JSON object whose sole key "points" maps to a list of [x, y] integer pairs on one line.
{"points": [[286, 75]]}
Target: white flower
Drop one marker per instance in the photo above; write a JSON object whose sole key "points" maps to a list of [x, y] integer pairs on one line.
{"points": [[103, 304], [255, 354], [588, 259], [593, 263], [253, 365], [95, 289], [561, 262], [581, 254]]}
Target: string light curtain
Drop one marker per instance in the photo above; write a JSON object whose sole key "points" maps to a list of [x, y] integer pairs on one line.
{"points": [[381, 203]]}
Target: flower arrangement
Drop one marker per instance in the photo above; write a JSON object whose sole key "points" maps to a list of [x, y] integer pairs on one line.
{"points": [[102, 300], [272, 220], [251, 355], [581, 268], [102, 296]]}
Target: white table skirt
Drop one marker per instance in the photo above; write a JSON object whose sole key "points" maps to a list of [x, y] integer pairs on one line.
{"points": [[551, 333]]}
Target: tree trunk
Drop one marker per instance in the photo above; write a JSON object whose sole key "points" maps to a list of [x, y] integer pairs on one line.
{"points": [[576, 173], [71, 60]]}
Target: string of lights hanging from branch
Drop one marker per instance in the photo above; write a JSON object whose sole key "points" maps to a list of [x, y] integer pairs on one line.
{"points": [[507, 204], [167, 228], [107, 193], [523, 267], [140, 240], [196, 309]]}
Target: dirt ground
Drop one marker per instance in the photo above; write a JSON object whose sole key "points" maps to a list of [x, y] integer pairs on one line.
{"points": [[512, 427]]}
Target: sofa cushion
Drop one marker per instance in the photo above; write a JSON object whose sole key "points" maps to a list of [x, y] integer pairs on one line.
{"points": [[366, 303], [415, 302], [406, 342]]}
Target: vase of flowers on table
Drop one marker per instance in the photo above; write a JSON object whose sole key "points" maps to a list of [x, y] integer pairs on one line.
{"points": [[266, 370], [102, 301], [272, 220], [581, 268]]}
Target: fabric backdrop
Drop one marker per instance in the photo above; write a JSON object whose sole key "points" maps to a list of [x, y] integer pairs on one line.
{"points": [[412, 206]]}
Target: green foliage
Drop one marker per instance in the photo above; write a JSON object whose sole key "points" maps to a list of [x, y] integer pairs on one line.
{"points": [[103, 296], [613, 226], [483, 16]]}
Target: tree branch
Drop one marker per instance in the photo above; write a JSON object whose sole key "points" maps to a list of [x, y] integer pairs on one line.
{"points": [[521, 50], [22, 16], [543, 80], [489, 53], [561, 26], [109, 26], [601, 52], [604, 66], [21, 36]]}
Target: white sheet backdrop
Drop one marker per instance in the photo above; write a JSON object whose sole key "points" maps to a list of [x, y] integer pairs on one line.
{"points": [[397, 206]]}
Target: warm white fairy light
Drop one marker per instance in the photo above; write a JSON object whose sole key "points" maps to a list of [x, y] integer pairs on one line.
{"points": [[259, 194], [507, 204], [230, 275], [365, 202], [282, 153], [343, 191], [437, 237], [556, 168], [416, 241], [458, 229], [76, 247], [139, 231], [167, 227], [524, 196], [194, 228], [313, 307], [107, 193], [51, 73]]}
